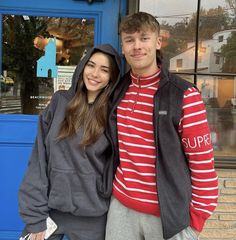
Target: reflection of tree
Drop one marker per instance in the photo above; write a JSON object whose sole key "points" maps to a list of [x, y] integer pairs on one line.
{"points": [[211, 21], [232, 6], [180, 35], [228, 51], [176, 42], [20, 56], [72, 29], [76, 34], [170, 50]]}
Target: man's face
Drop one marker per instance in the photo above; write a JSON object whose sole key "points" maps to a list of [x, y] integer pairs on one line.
{"points": [[139, 49]]}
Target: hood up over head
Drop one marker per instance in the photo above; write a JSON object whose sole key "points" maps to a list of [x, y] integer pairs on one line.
{"points": [[105, 48]]}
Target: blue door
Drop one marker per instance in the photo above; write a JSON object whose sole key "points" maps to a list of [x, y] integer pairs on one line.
{"points": [[33, 36]]}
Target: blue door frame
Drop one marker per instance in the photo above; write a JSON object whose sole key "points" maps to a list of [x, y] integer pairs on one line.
{"points": [[17, 132]]}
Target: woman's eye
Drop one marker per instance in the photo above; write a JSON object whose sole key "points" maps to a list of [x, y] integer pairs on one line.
{"points": [[105, 70]]}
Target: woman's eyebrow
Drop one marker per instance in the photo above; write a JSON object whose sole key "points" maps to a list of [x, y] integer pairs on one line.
{"points": [[105, 66], [90, 61]]}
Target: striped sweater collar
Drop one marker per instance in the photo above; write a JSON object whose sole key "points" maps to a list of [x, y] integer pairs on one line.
{"points": [[145, 81]]}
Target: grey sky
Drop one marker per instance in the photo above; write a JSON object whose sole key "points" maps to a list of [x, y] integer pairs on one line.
{"points": [[176, 7]]}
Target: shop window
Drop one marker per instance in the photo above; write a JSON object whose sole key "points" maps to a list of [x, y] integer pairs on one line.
{"points": [[218, 30], [39, 57], [177, 31], [215, 71], [219, 95], [187, 77]]}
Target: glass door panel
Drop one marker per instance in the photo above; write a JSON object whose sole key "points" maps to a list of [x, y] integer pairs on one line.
{"points": [[39, 57]]}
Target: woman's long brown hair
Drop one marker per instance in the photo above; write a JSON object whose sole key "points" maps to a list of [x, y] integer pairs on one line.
{"points": [[90, 118]]}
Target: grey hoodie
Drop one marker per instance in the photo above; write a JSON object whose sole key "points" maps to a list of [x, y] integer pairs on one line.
{"points": [[60, 175]]}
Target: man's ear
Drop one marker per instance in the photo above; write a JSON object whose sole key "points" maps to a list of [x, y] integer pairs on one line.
{"points": [[159, 42], [122, 51]]}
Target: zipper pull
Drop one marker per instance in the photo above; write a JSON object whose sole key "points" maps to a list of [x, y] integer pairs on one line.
{"points": [[137, 95]]}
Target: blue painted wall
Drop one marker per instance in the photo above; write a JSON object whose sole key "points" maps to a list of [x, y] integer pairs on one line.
{"points": [[17, 132]]}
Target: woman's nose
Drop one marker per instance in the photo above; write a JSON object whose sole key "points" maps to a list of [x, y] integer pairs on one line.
{"points": [[95, 72]]}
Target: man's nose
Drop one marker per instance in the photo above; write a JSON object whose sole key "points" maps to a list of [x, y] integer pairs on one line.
{"points": [[137, 44]]}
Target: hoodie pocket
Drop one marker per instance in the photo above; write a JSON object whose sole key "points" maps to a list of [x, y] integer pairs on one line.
{"points": [[76, 193]]}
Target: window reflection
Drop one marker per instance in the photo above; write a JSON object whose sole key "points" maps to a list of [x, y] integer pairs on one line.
{"points": [[217, 32], [178, 31], [216, 55], [219, 95], [189, 78], [184, 61], [24, 42]]}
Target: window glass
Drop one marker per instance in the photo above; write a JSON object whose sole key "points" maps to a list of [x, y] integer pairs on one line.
{"points": [[39, 57], [216, 55], [178, 30], [219, 96], [217, 34], [189, 78]]}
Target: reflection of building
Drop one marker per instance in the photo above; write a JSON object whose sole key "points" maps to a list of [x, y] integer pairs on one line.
{"points": [[209, 55], [46, 65], [215, 90]]}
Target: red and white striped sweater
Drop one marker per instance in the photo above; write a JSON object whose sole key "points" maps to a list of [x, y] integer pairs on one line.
{"points": [[135, 179]]}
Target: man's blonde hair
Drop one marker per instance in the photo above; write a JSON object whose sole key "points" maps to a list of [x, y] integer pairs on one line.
{"points": [[137, 22]]}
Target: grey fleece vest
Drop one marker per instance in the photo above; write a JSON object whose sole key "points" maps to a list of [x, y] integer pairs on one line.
{"points": [[173, 176]]}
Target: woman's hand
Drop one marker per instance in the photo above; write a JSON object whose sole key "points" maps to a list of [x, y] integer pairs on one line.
{"points": [[37, 236]]}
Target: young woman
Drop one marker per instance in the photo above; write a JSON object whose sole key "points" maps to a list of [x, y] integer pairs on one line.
{"points": [[69, 173]]}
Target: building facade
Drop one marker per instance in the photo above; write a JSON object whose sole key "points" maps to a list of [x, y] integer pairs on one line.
{"points": [[198, 43]]}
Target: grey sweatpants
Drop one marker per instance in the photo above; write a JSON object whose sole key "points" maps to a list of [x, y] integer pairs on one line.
{"points": [[77, 228], [124, 223]]}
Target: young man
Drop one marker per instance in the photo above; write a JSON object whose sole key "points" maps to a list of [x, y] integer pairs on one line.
{"points": [[165, 184]]}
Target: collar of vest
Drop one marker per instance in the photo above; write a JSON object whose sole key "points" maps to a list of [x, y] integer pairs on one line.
{"points": [[164, 77]]}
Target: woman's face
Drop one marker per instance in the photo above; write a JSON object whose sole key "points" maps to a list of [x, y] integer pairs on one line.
{"points": [[96, 74]]}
